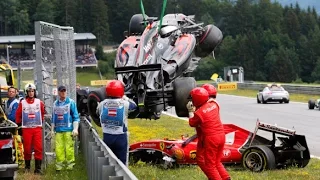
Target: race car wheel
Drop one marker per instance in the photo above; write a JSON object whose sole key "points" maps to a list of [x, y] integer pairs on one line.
{"points": [[303, 163], [182, 87], [258, 158], [82, 99], [136, 25], [209, 40], [311, 104], [286, 101], [134, 157], [93, 98], [258, 101], [263, 101]]}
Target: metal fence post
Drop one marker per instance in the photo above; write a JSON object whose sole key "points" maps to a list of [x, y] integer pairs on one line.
{"points": [[115, 177], [107, 171], [96, 155], [92, 147], [101, 161]]}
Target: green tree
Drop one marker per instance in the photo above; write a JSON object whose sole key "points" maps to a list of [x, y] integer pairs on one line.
{"points": [[280, 65], [316, 72], [44, 11], [292, 25], [66, 12], [100, 21]]}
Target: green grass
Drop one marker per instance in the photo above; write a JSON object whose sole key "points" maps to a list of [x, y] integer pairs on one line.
{"points": [[253, 93], [169, 127], [79, 172], [84, 76]]}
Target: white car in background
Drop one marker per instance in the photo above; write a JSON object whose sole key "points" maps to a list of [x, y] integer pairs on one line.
{"points": [[273, 93]]}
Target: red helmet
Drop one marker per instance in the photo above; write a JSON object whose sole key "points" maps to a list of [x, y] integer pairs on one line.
{"points": [[115, 88], [211, 89], [199, 96]]}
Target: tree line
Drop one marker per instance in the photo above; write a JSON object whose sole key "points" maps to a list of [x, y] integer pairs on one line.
{"points": [[271, 42]]}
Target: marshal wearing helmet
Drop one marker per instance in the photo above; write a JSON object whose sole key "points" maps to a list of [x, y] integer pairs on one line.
{"points": [[204, 115], [30, 115], [113, 112], [211, 90]]}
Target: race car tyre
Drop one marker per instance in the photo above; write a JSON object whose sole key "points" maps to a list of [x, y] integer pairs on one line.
{"points": [[311, 104], [263, 101], [286, 101], [134, 157], [94, 98], [258, 158], [302, 163], [182, 87], [136, 25], [209, 40], [82, 99], [258, 101]]}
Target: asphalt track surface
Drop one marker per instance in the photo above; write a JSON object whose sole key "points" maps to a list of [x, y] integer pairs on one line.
{"points": [[244, 112]]}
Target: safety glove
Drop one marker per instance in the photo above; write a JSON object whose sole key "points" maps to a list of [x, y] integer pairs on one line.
{"points": [[191, 109]]}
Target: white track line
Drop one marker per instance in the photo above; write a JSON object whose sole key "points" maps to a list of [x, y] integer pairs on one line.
{"points": [[186, 119]]}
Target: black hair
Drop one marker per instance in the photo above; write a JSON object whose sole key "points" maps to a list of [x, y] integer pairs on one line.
{"points": [[12, 87], [35, 94]]}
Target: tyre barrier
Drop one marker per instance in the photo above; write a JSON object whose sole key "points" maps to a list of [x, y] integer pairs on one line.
{"points": [[101, 162]]}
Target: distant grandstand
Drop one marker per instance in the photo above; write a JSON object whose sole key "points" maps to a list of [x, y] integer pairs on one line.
{"points": [[22, 49]]}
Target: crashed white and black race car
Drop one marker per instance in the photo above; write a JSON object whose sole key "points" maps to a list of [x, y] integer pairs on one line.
{"points": [[156, 60]]}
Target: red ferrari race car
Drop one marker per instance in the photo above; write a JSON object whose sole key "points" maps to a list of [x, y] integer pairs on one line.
{"points": [[243, 147]]}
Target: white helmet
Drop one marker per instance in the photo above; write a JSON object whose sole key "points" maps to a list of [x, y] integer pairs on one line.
{"points": [[28, 87]]}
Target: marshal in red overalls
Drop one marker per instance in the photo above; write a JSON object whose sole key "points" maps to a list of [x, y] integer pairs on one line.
{"points": [[211, 137], [30, 115]]}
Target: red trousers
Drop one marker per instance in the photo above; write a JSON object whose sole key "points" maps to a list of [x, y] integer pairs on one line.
{"points": [[209, 155], [32, 137]]}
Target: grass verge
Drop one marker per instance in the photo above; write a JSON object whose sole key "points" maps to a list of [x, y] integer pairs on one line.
{"points": [[79, 172], [84, 76], [253, 93], [171, 127]]}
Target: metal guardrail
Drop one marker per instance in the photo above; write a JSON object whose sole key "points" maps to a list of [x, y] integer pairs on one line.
{"points": [[101, 162], [291, 88], [299, 89]]}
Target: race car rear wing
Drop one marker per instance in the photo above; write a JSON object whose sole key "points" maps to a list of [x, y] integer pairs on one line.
{"points": [[131, 69], [142, 91], [275, 128]]}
